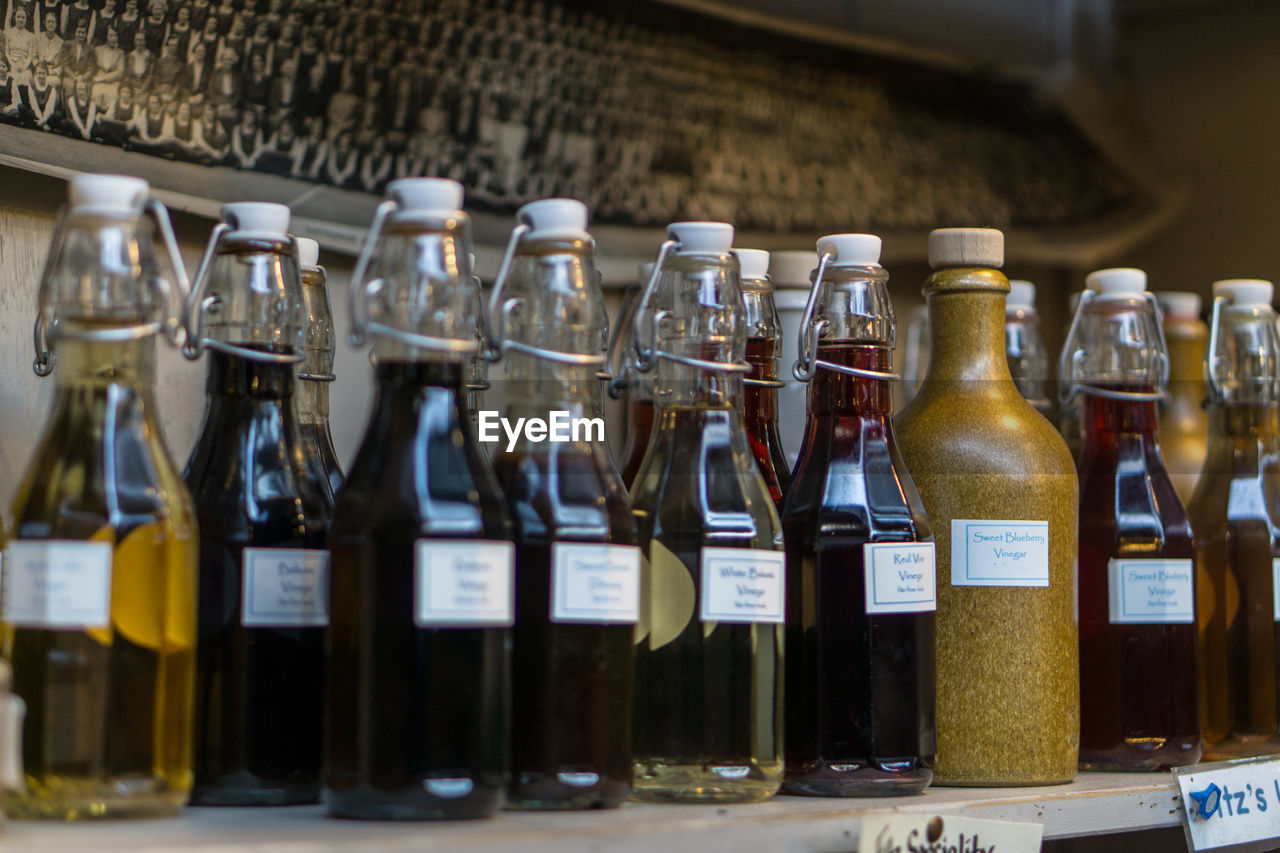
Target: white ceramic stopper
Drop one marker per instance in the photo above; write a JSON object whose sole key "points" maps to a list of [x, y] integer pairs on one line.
{"points": [[439, 196], [1022, 294], [107, 195], [1117, 281], [308, 253], [791, 268], [966, 247], [1176, 303], [1244, 292], [555, 219], [754, 263], [262, 220], [851, 250], [702, 238]]}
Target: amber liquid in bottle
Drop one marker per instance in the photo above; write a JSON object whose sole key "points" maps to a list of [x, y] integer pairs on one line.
{"points": [[259, 690], [761, 418], [860, 687], [108, 725], [571, 683], [317, 441], [1138, 689], [417, 716], [1237, 542], [640, 414]]}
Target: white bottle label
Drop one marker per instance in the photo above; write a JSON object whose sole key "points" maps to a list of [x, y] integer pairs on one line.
{"points": [[900, 577], [285, 588], [595, 583], [1151, 592], [464, 583], [59, 584], [742, 585], [986, 552]]}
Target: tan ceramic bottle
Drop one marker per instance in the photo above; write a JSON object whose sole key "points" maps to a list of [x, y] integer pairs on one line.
{"points": [[1000, 488]]}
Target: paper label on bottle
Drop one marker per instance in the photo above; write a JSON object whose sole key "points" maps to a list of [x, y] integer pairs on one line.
{"points": [[60, 584], [986, 552], [464, 583], [595, 583], [900, 577], [1150, 592], [285, 588], [1275, 585], [742, 585], [931, 833]]}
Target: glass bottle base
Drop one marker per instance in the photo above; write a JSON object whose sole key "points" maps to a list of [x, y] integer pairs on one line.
{"points": [[94, 799], [543, 793], [658, 782], [253, 792], [1143, 755], [1241, 746], [855, 780], [367, 804]]}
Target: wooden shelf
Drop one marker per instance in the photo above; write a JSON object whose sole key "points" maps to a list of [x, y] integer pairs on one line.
{"points": [[1095, 804]]}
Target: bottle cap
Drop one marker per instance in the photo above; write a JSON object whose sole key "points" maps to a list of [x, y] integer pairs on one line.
{"points": [[966, 247], [1178, 304], [791, 268], [1022, 294], [1244, 292], [257, 220], [1117, 281], [308, 253], [555, 219], [440, 197], [851, 250], [703, 238], [754, 263], [107, 195]]}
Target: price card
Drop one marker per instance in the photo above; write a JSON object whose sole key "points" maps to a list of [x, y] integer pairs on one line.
{"points": [[900, 833], [1231, 805]]}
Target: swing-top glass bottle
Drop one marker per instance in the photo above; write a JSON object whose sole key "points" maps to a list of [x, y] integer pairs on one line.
{"points": [[708, 708], [761, 385], [99, 618], [315, 371]]}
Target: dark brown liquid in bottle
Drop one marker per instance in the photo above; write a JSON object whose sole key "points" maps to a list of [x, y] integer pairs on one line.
{"points": [[418, 716], [859, 687], [259, 690], [1139, 708], [571, 682], [761, 411], [639, 431], [319, 447], [1237, 533]]}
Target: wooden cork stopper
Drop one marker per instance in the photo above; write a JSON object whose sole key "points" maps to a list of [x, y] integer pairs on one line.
{"points": [[966, 247]]}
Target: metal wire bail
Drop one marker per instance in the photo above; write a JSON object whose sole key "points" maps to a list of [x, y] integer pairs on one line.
{"points": [[45, 319], [1071, 356], [807, 345], [1216, 393], [498, 311], [358, 289], [645, 356]]}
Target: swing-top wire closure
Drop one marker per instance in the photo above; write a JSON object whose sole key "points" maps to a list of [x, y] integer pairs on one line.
{"points": [[318, 377], [362, 328], [47, 330], [500, 310], [807, 362], [199, 305], [1071, 357], [644, 343]]}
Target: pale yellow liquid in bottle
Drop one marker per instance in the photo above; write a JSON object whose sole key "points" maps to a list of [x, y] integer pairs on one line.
{"points": [[108, 727]]}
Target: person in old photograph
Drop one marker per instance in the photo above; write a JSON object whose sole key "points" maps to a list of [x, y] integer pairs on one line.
{"points": [[81, 111], [214, 141], [78, 57], [103, 19], [41, 104], [49, 43], [184, 131], [375, 166], [281, 150], [76, 13], [115, 122], [110, 60], [151, 126], [194, 79], [341, 164], [19, 44], [127, 25], [154, 27], [246, 140]]}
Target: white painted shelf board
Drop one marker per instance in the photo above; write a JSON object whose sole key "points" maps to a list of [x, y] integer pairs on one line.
{"points": [[1095, 804]]}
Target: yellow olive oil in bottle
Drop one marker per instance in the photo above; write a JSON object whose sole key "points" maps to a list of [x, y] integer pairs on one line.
{"points": [[709, 680], [100, 569]]}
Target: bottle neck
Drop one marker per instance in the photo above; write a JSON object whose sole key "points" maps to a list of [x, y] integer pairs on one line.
{"points": [[836, 394], [82, 364], [234, 376], [1243, 420], [694, 387], [761, 402], [406, 388], [312, 398], [1105, 417], [967, 335]]}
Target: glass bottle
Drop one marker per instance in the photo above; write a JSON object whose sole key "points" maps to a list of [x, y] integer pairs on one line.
{"points": [[638, 386], [422, 584], [1024, 345], [99, 616], [860, 561], [1235, 514], [1070, 411], [264, 508], [1000, 490], [477, 366], [790, 271], [1184, 423], [1138, 682], [708, 707], [764, 346], [577, 566], [315, 372]]}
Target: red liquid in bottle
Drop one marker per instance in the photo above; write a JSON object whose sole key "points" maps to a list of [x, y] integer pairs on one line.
{"points": [[761, 410], [1139, 708], [859, 687]]}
